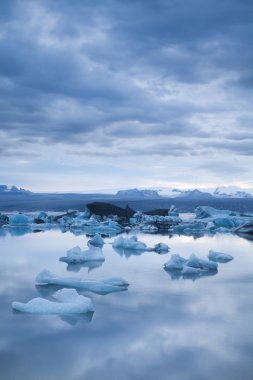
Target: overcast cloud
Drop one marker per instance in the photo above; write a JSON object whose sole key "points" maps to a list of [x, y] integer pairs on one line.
{"points": [[116, 94]]}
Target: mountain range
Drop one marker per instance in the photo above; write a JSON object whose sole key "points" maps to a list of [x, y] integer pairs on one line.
{"points": [[218, 192]]}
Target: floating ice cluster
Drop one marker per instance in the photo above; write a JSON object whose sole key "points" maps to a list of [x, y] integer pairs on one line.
{"points": [[207, 220], [195, 266], [67, 300], [133, 244]]}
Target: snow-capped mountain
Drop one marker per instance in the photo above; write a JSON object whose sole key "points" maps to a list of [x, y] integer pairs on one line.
{"points": [[12, 189], [193, 194], [218, 192], [231, 192], [135, 193]]}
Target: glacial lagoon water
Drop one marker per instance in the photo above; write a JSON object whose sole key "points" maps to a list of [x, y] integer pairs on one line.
{"points": [[161, 328]]}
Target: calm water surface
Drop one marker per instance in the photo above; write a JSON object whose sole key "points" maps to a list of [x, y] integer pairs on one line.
{"points": [[161, 328]]}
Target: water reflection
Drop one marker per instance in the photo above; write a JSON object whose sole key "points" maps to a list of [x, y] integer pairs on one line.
{"points": [[177, 275], [91, 265], [18, 231], [159, 329], [72, 320], [128, 252]]}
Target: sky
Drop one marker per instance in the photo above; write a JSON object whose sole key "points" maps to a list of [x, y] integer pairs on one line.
{"points": [[108, 94]]}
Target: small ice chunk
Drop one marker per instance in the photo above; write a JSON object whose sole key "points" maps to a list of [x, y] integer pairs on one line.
{"points": [[131, 243], [175, 263], [68, 302], [96, 241], [219, 257], [196, 262], [76, 255], [161, 248], [102, 286]]}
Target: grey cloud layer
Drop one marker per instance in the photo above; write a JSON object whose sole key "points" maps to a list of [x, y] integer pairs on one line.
{"points": [[114, 71]]}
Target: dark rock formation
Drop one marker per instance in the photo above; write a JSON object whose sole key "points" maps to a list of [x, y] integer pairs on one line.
{"points": [[106, 209]]}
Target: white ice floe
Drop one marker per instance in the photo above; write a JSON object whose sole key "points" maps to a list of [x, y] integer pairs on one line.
{"points": [[161, 248], [68, 301], [96, 241], [102, 286], [175, 263], [219, 256], [76, 255], [130, 243]]}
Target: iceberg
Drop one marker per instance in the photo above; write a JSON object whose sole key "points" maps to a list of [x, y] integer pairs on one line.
{"points": [[203, 212], [76, 255], [68, 301], [96, 241], [131, 243], [245, 229], [206, 265], [227, 222], [175, 263], [42, 215], [173, 211], [19, 220], [178, 263], [219, 257], [103, 286], [161, 248]]}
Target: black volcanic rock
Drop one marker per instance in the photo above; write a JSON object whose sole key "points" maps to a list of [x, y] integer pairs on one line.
{"points": [[106, 209]]}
